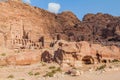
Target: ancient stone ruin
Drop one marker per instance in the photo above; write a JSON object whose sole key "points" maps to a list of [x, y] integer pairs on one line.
{"points": [[67, 39]]}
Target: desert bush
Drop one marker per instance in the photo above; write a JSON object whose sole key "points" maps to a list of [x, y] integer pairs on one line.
{"points": [[58, 69], [115, 60], [30, 73], [3, 54], [37, 73], [54, 71], [43, 64], [21, 79], [10, 76], [101, 67], [52, 67], [49, 74]]}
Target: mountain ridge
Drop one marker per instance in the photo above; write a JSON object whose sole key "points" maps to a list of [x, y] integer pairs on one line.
{"points": [[38, 23]]}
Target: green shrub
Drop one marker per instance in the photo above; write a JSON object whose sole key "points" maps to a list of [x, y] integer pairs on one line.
{"points": [[115, 60], [58, 69], [21, 79], [37, 73], [50, 74], [3, 54], [30, 73], [43, 64], [54, 71], [10, 76], [52, 67], [101, 67]]}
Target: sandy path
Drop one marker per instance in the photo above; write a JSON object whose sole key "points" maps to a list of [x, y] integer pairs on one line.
{"points": [[21, 73], [114, 75]]}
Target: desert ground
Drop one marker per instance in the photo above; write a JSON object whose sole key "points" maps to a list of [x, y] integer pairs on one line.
{"points": [[52, 71]]}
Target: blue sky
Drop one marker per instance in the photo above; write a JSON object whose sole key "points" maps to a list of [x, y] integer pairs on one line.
{"points": [[82, 7]]}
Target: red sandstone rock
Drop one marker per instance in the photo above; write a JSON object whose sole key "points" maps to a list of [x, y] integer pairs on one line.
{"points": [[38, 22], [11, 60], [3, 62], [18, 19], [86, 49], [68, 56], [23, 59]]}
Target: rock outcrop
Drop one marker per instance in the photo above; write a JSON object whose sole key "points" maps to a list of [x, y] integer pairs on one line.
{"points": [[26, 27], [70, 53], [22, 21], [20, 59], [23, 59], [79, 51], [96, 28]]}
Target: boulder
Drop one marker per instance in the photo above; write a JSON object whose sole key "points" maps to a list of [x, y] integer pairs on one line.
{"points": [[74, 72]]}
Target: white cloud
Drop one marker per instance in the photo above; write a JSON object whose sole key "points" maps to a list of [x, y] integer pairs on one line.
{"points": [[27, 1], [54, 7]]}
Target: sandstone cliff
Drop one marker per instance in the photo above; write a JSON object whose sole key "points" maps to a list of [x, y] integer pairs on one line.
{"points": [[20, 20]]}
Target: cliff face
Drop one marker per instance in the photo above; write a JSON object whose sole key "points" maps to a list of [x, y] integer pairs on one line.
{"points": [[96, 28], [19, 20], [16, 15], [100, 28], [105, 27]]}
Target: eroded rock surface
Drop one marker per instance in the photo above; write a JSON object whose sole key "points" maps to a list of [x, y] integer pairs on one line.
{"points": [[26, 27], [22, 21]]}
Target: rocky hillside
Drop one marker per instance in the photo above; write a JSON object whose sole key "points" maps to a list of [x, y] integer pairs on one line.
{"points": [[94, 27], [98, 28]]}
